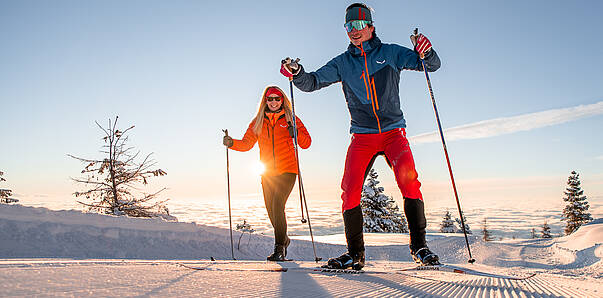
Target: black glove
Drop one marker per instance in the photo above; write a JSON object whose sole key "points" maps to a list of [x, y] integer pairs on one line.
{"points": [[291, 130], [227, 141]]}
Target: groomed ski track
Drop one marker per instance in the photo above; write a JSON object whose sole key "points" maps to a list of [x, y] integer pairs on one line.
{"points": [[61, 277]]}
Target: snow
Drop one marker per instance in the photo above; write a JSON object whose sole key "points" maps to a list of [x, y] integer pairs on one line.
{"points": [[70, 253], [589, 235]]}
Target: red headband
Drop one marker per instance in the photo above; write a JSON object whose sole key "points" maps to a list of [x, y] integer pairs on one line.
{"points": [[272, 91]]}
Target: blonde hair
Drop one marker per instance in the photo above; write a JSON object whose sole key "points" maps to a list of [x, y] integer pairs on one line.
{"points": [[259, 117]]}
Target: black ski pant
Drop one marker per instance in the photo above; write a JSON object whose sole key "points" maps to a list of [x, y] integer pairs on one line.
{"points": [[353, 224], [414, 209], [276, 192]]}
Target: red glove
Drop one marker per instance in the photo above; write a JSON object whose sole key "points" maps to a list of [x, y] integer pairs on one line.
{"points": [[423, 45], [289, 67]]}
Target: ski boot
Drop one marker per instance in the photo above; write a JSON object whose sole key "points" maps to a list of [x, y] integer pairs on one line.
{"points": [[280, 252], [346, 261], [425, 257]]}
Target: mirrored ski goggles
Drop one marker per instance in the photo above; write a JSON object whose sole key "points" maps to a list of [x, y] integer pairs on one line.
{"points": [[357, 24], [273, 98]]}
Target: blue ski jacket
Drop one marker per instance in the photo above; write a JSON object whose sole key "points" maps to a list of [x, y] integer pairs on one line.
{"points": [[370, 78]]}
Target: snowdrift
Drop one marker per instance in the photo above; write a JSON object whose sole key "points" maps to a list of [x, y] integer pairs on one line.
{"points": [[30, 232]]}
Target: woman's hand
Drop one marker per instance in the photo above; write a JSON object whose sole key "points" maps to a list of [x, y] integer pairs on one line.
{"points": [[227, 141]]}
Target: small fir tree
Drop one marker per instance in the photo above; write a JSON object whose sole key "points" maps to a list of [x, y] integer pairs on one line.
{"points": [[486, 234], [467, 228], [115, 180], [244, 227], [447, 225], [546, 230], [533, 233], [6, 193], [575, 212], [381, 213]]}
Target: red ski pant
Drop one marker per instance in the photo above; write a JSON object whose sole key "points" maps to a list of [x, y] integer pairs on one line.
{"points": [[363, 150]]}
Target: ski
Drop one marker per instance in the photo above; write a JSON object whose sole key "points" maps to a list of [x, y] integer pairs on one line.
{"points": [[439, 268], [462, 270], [279, 269], [209, 268]]}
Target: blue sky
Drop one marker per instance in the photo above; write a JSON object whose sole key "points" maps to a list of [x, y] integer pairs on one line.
{"points": [[524, 76]]}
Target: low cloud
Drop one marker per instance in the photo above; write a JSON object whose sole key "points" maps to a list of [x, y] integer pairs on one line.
{"points": [[508, 125]]}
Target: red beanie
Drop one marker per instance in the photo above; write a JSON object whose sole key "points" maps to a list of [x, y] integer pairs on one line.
{"points": [[273, 90]]}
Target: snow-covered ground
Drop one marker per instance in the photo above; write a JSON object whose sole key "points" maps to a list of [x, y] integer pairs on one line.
{"points": [[69, 253]]}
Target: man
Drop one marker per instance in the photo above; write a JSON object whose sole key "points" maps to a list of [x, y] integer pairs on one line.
{"points": [[370, 74]]}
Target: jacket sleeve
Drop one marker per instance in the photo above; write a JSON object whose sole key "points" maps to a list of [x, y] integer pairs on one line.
{"points": [[248, 140], [323, 77], [303, 136], [409, 59]]}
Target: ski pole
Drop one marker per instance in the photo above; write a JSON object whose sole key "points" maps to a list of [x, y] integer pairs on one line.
{"points": [[229, 213], [435, 109], [302, 194]]}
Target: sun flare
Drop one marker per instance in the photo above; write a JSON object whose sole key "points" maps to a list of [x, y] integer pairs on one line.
{"points": [[258, 168]]}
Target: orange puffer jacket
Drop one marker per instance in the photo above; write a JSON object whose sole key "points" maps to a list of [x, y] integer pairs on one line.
{"points": [[277, 151]]}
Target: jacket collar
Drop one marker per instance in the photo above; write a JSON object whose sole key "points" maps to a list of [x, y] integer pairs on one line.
{"points": [[275, 115], [367, 46]]}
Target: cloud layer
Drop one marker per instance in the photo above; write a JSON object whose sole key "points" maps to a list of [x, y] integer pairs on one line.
{"points": [[507, 125]]}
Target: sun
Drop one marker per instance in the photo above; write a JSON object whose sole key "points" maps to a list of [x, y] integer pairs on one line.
{"points": [[258, 168]]}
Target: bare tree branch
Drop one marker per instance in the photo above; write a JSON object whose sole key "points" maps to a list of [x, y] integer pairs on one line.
{"points": [[117, 181]]}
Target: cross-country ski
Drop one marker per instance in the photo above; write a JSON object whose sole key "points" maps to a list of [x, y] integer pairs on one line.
{"points": [[240, 266]]}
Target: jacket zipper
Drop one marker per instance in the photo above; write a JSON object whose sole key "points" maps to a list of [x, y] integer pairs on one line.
{"points": [[268, 129], [371, 91]]}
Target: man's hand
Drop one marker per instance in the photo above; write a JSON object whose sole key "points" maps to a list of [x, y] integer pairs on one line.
{"points": [[227, 141], [421, 43], [289, 67]]}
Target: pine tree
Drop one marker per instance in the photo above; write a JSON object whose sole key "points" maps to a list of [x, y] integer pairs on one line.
{"points": [[533, 234], [447, 225], [575, 212], [546, 230], [6, 193], [114, 181], [486, 234], [467, 228], [381, 213]]}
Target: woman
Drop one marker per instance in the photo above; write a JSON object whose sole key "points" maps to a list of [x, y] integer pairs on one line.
{"points": [[272, 128]]}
